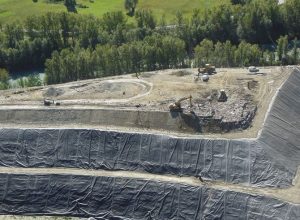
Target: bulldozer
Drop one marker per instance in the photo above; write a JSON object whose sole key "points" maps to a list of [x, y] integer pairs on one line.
{"points": [[207, 69], [223, 96], [176, 106]]}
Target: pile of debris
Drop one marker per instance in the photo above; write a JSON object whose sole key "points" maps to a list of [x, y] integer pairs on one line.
{"points": [[53, 92], [224, 113], [235, 115]]}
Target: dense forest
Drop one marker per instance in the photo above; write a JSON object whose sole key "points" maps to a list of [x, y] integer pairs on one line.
{"points": [[71, 46]]}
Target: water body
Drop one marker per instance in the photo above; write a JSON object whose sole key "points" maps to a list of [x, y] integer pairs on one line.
{"points": [[23, 74]]}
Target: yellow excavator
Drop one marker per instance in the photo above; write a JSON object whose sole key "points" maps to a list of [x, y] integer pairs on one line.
{"points": [[176, 106], [208, 69]]}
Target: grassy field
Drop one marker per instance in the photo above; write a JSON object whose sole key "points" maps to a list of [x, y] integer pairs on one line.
{"points": [[11, 10]]}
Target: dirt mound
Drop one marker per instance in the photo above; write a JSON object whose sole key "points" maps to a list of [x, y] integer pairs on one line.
{"points": [[53, 92], [181, 73]]}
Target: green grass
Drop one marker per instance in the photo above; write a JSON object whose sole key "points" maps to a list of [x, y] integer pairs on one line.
{"points": [[11, 10]]}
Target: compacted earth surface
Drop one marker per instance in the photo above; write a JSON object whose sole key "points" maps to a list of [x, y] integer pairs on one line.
{"points": [[247, 97]]}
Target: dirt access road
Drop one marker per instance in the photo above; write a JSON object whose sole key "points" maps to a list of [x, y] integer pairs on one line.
{"points": [[151, 90]]}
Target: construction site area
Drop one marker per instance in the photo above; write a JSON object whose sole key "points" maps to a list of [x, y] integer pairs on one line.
{"points": [[147, 98], [173, 144]]}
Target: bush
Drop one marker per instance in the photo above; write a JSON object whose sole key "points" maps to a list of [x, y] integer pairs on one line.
{"points": [[4, 76], [33, 80]]}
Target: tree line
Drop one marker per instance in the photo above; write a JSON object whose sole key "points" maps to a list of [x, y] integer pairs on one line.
{"points": [[243, 33], [226, 54], [158, 52], [154, 52]]}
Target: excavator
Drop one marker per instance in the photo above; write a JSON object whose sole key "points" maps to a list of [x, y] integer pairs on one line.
{"points": [[208, 69], [176, 106]]}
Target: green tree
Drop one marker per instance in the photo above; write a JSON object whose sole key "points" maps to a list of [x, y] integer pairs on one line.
{"points": [[291, 14], [14, 33], [51, 31], [239, 2], [71, 5], [4, 77], [89, 32], [229, 51], [130, 6], [111, 21], [269, 58], [53, 69], [196, 27], [118, 37], [204, 52], [295, 53], [32, 80], [282, 47], [219, 55], [65, 29], [145, 19], [247, 54], [220, 23], [260, 22], [32, 26], [21, 82]]}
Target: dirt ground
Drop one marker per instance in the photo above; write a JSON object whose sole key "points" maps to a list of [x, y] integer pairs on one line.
{"points": [[156, 90]]}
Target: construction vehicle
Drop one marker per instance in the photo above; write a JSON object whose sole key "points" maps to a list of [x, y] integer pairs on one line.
{"points": [[176, 106], [207, 69], [49, 102], [253, 69], [223, 96], [205, 78]]}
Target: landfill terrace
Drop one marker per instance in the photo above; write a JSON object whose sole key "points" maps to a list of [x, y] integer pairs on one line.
{"points": [[156, 145]]}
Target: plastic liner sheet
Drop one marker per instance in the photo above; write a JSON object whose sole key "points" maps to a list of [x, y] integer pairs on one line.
{"points": [[235, 161], [270, 160], [118, 198], [280, 136]]}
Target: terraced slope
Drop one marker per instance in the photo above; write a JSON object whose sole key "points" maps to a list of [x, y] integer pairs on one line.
{"points": [[243, 179]]}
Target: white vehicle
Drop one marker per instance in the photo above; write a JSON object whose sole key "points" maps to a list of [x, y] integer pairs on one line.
{"points": [[253, 69], [205, 78]]}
